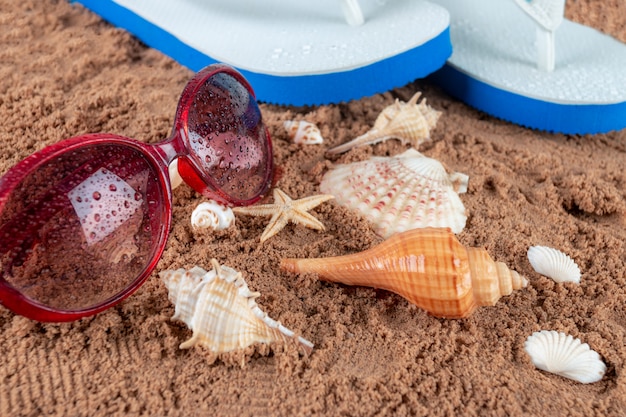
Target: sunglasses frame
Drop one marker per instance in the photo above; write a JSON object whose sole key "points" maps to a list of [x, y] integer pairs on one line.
{"points": [[158, 156]]}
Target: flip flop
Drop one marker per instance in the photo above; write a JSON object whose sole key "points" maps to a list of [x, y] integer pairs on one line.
{"points": [[502, 59], [299, 52]]}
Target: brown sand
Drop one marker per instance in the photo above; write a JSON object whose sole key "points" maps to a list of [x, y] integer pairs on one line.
{"points": [[64, 72]]}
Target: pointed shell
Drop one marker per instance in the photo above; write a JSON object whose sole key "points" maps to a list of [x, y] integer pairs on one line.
{"points": [[175, 178], [553, 264], [212, 215], [220, 309], [399, 193], [563, 355], [409, 122], [429, 267], [303, 132]]}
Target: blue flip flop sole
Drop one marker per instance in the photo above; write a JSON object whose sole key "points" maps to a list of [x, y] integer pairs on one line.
{"points": [[289, 59]]}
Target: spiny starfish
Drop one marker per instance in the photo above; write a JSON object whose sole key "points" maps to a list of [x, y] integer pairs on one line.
{"points": [[285, 210]]}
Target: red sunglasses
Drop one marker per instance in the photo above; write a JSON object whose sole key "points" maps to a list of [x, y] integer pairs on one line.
{"points": [[84, 222]]}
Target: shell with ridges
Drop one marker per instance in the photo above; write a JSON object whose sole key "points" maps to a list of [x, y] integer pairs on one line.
{"points": [[409, 122], [553, 264], [399, 193], [429, 267], [221, 310], [303, 132], [563, 355], [212, 215]]}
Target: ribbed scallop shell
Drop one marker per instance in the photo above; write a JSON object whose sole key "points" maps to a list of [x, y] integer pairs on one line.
{"points": [[303, 132], [429, 267], [220, 309], [564, 355], [409, 122], [212, 215], [399, 193], [553, 264]]}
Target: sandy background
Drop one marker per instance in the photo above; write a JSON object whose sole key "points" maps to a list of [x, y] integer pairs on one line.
{"points": [[64, 72]]}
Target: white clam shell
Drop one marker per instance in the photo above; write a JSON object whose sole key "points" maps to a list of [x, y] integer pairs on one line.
{"points": [[553, 264], [213, 215], [399, 193], [564, 355], [303, 132], [220, 309]]}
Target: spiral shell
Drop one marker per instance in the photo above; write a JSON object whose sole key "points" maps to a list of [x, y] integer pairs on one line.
{"points": [[212, 215], [409, 122], [561, 354], [429, 267], [399, 193], [304, 133], [220, 309]]}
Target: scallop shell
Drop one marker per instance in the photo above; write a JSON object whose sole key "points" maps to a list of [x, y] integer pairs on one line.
{"points": [[399, 193], [429, 267], [409, 122], [212, 215], [220, 309], [563, 355], [303, 132], [553, 264]]}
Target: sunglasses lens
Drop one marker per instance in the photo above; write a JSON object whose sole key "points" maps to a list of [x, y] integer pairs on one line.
{"points": [[79, 231], [228, 139]]}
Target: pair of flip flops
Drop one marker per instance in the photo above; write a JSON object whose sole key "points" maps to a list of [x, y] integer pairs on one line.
{"points": [[518, 60]]}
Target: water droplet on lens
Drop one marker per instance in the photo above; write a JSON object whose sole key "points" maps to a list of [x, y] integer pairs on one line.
{"points": [[96, 217], [114, 213], [126, 204], [92, 235], [112, 187], [96, 195], [80, 200], [137, 196]]}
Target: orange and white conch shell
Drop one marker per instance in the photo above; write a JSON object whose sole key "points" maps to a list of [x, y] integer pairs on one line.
{"points": [[303, 132], [409, 122], [429, 267], [220, 309]]}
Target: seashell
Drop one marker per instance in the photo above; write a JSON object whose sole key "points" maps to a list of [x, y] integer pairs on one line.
{"points": [[553, 264], [175, 178], [563, 355], [220, 309], [212, 215], [409, 122], [303, 132], [429, 267], [399, 193]]}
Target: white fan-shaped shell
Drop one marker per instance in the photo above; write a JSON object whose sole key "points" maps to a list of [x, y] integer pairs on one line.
{"points": [[564, 355], [303, 132], [399, 193], [213, 215], [220, 309], [553, 264]]}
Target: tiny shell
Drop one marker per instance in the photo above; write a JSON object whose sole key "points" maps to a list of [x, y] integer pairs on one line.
{"points": [[303, 132], [213, 215], [220, 309], [399, 193], [563, 355], [175, 178], [409, 122], [553, 264]]}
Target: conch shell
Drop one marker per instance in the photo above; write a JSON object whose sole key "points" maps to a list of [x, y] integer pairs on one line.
{"points": [[409, 122], [303, 132], [429, 267], [220, 309], [212, 215]]}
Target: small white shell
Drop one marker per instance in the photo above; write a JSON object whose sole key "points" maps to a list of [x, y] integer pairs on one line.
{"points": [[563, 355], [399, 193], [213, 215], [553, 264], [303, 132], [175, 178], [220, 309]]}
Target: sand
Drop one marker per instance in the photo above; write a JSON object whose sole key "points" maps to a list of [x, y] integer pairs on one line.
{"points": [[64, 72]]}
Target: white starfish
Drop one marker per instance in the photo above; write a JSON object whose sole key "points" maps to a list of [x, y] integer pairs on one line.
{"points": [[285, 210]]}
